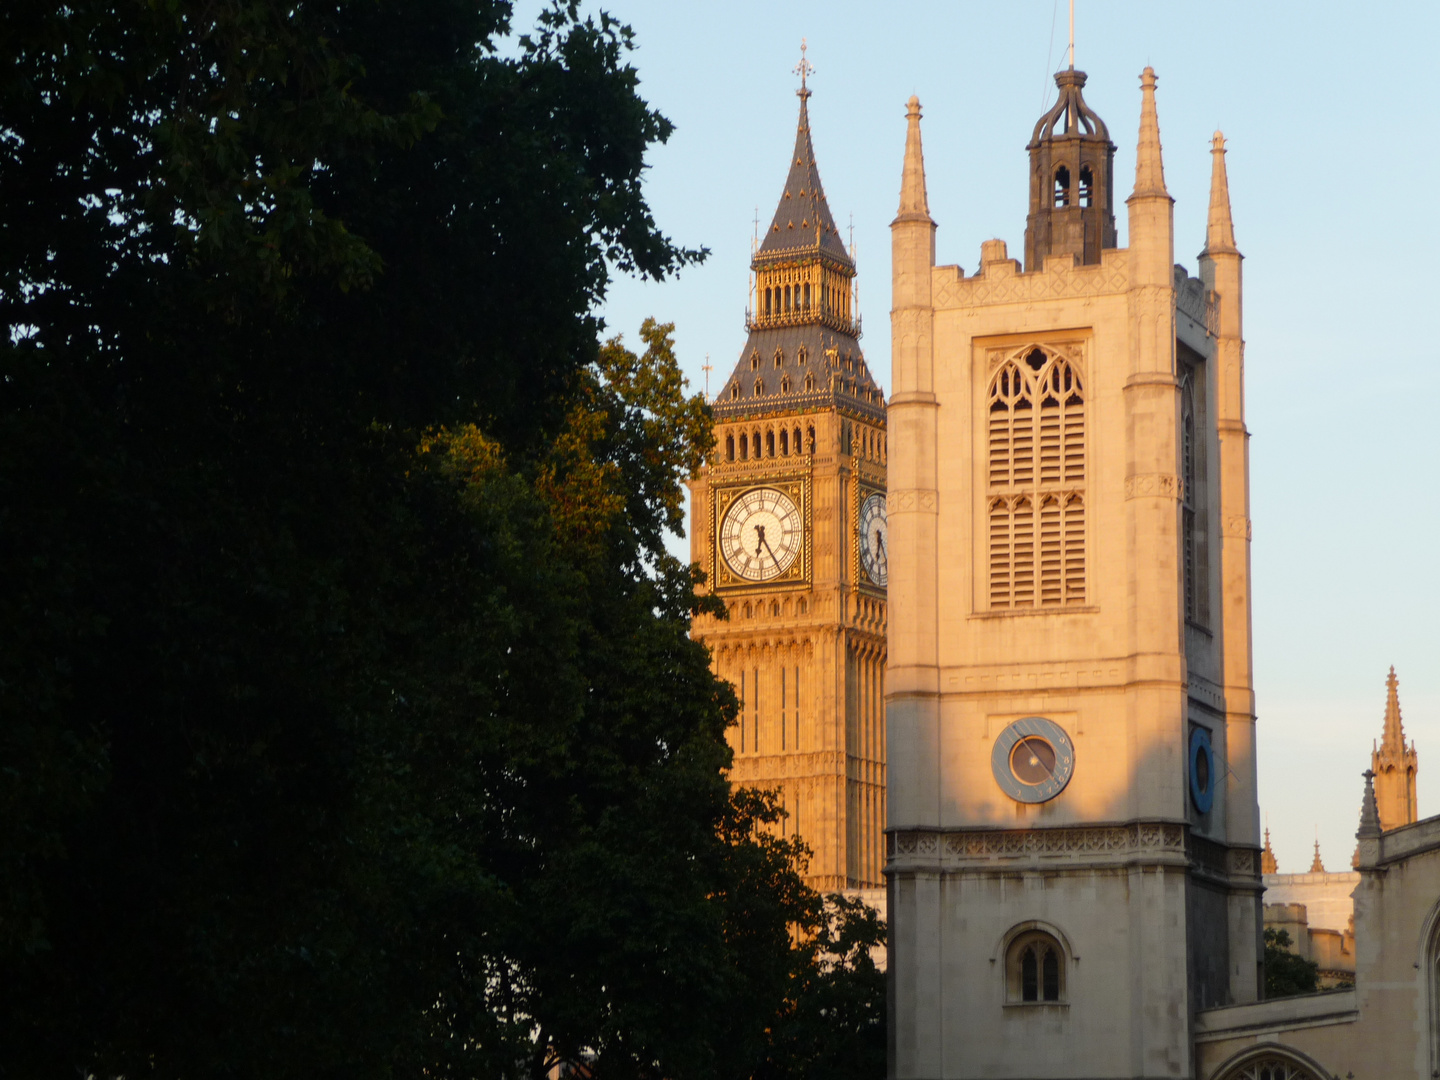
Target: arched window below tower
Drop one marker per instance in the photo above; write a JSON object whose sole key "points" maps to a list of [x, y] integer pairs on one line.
{"points": [[807, 296], [810, 440], [744, 448], [1062, 187], [809, 382], [787, 297], [1087, 186], [767, 301], [755, 445], [770, 444], [729, 447], [1270, 1063], [802, 607], [796, 444], [1035, 969], [785, 437]]}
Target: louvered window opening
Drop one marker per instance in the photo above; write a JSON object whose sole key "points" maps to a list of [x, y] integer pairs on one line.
{"points": [[1187, 481], [1036, 500]]}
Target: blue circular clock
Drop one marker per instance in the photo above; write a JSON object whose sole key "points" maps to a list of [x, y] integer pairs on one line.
{"points": [[1202, 770], [1033, 760]]}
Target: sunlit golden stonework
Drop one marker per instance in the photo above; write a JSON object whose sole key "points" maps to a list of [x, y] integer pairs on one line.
{"points": [[788, 523]]}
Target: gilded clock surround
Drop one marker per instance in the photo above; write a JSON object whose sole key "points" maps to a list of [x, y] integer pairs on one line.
{"points": [[797, 488]]}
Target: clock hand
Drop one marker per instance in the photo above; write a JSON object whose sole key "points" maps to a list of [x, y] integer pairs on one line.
{"points": [[880, 539], [760, 540], [770, 549], [1025, 742]]}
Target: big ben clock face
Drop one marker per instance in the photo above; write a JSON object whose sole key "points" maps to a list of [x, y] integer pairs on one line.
{"points": [[761, 534], [874, 552]]}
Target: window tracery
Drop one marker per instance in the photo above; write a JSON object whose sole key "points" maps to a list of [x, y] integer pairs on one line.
{"points": [[1037, 403], [1035, 970], [1271, 1066]]}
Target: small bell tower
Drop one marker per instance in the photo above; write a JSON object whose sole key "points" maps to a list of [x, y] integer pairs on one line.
{"points": [[1072, 185]]}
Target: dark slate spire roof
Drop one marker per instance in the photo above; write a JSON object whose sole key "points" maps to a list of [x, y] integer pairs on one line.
{"points": [[802, 221], [806, 364], [818, 368]]}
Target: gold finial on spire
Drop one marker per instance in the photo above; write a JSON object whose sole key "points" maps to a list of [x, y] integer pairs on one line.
{"points": [[804, 69]]}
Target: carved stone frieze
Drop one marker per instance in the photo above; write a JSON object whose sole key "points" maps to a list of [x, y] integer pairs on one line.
{"points": [[911, 499], [1237, 526], [1163, 842], [1154, 485], [1030, 844], [998, 284]]}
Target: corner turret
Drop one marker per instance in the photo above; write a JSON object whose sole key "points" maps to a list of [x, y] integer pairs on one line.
{"points": [[1395, 765]]}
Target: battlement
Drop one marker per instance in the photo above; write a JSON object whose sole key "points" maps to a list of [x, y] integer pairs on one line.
{"points": [[1000, 280]]}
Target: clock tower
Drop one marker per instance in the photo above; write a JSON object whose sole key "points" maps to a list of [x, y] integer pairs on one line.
{"points": [[788, 523], [1074, 850]]}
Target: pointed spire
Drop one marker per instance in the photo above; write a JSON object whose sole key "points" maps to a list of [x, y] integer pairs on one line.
{"points": [[1219, 230], [914, 205], [1369, 813], [1149, 166], [1316, 866], [1394, 740], [1268, 865], [802, 219]]}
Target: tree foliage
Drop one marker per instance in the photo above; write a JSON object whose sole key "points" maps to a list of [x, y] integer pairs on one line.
{"points": [[1287, 973], [349, 721]]}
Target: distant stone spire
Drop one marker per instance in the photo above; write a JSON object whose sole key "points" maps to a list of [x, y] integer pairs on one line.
{"points": [[914, 205], [1220, 229], [1395, 765], [1268, 865], [1369, 815], [1149, 163], [1316, 866]]}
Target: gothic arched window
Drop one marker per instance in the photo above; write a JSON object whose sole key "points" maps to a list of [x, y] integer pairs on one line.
{"points": [[1036, 480], [1062, 187], [755, 445], [1270, 1063], [796, 443], [1087, 186], [729, 447], [784, 439], [1035, 969], [769, 444]]}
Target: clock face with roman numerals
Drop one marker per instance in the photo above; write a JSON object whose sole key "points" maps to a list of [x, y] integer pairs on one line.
{"points": [[761, 534], [873, 555]]}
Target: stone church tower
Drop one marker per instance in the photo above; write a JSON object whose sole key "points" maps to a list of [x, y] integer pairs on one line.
{"points": [[1394, 765], [789, 525], [1074, 850]]}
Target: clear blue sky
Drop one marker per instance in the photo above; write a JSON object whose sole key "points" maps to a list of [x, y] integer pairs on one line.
{"points": [[1335, 180]]}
